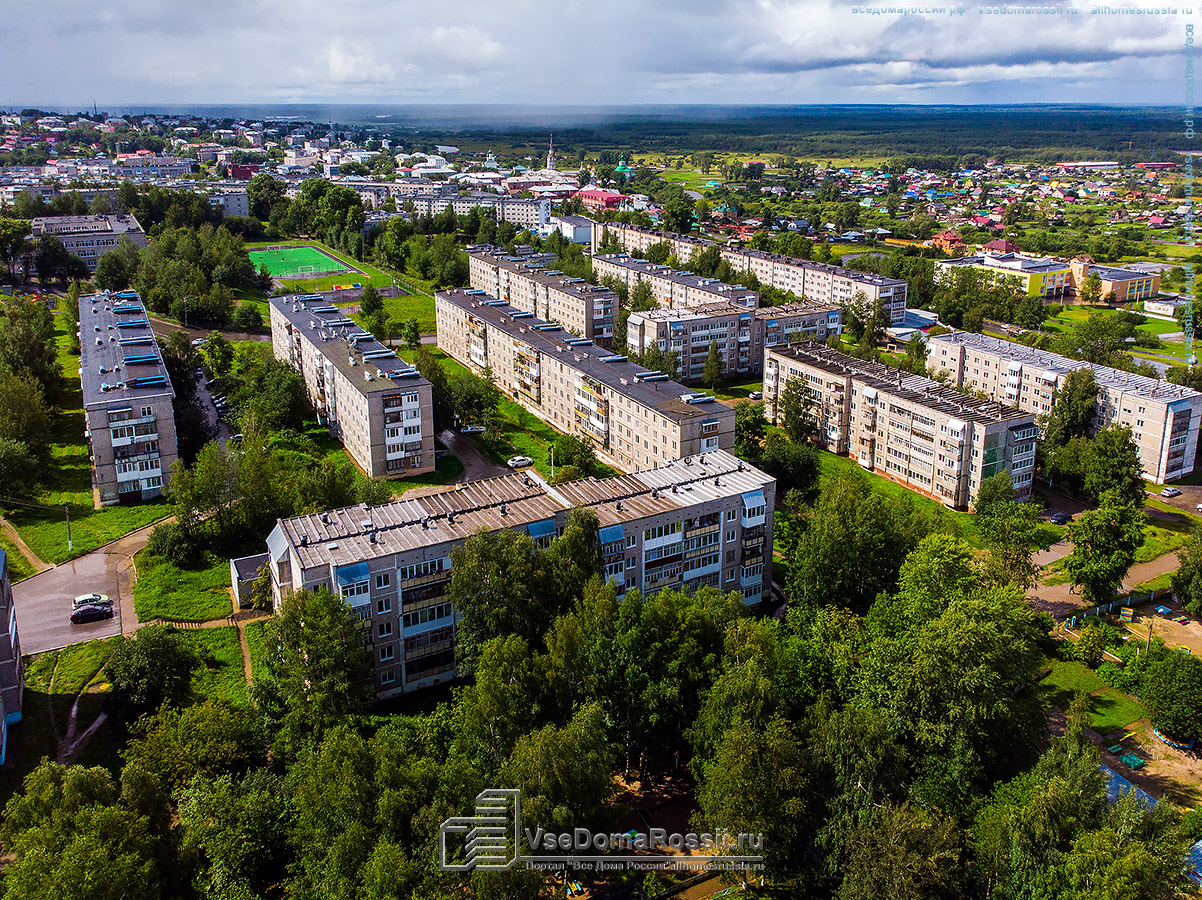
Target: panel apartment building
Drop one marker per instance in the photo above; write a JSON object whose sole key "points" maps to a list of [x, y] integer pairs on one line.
{"points": [[379, 407], [702, 520], [816, 282], [128, 400], [741, 334], [12, 672], [1164, 418], [584, 309], [911, 429], [634, 418], [671, 288], [90, 237]]}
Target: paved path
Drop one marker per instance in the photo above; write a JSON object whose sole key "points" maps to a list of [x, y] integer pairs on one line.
{"points": [[163, 327], [1061, 600], [39, 565]]}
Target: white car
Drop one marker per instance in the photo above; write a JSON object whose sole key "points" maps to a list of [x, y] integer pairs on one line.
{"points": [[756, 395], [199, 342], [1170, 492], [90, 600], [472, 429], [516, 462]]}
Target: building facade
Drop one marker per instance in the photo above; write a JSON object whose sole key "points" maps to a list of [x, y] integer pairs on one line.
{"points": [[1164, 418], [12, 672], [911, 429], [1036, 276], [812, 281], [90, 237], [378, 406], [1127, 285], [740, 334], [128, 400], [634, 418], [582, 308], [694, 522], [671, 288]]}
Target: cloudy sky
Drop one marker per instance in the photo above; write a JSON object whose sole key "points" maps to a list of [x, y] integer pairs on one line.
{"points": [[71, 52]]}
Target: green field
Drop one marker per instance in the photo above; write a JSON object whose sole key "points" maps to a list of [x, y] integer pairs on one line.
{"points": [[254, 644], [165, 591], [43, 525], [220, 675], [19, 568], [1108, 709], [289, 260]]}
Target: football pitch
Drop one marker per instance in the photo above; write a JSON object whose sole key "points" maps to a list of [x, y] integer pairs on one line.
{"points": [[283, 262]]}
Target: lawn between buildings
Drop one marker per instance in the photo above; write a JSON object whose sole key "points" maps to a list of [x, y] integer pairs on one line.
{"points": [[165, 591], [68, 483], [1109, 708]]}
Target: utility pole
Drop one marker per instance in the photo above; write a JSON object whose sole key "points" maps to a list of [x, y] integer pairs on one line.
{"points": [[70, 545]]}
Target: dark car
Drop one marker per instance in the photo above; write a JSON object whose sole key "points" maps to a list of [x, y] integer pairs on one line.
{"points": [[1060, 518], [91, 613]]}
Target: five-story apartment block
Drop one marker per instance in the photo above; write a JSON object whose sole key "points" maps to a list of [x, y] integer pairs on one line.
{"points": [[12, 672], [378, 406], [705, 520], [671, 288], [127, 400], [911, 429], [1164, 418], [634, 418]]}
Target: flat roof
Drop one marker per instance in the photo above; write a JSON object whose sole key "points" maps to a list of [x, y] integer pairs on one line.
{"points": [[121, 223], [924, 391], [811, 265], [351, 349], [604, 366], [119, 358], [1009, 262], [717, 310], [1105, 376], [516, 500], [535, 270], [697, 282]]}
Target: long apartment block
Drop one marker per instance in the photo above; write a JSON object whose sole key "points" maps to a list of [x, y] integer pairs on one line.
{"points": [[1164, 417], [913, 430], [128, 400], [12, 670], [378, 406], [741, 334], [672, 288], [582, 308], [702, 520], [814, 281], [636, 419]]}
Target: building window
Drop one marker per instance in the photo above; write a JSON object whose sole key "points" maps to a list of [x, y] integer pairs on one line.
{"points": [[385, 630], [387, 653], [388, 676], [384, 606], [383, 580], [631, 562], [731, 515]]}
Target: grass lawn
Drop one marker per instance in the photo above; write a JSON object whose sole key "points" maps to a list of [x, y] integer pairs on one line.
{"points": [[165, 591], [1157, 542], [220, 675], [831, 465], [1160, 582], [69, 483], [691, 179], [734, 389], [1108, 709], [445, 469], [254, 643], [19, 568]]}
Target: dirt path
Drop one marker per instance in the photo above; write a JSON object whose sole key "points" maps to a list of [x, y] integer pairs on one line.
{"points": [[1061, 599], [39, 565]]}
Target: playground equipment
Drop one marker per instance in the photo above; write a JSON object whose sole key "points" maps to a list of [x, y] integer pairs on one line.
{"points": [[1126, 614]]}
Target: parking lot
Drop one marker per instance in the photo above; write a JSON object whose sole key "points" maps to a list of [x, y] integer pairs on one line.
{"points": [[43, 601]]}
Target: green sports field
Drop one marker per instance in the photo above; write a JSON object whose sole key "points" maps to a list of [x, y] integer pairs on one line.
{"points": [[282, 262]]}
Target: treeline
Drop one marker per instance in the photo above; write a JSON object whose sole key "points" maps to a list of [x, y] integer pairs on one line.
{"points": [[30, 384]]}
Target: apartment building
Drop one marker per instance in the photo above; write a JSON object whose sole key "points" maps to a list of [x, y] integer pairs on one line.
{"points": [[582, 308], [379, 407], [741, 334], [671, 288], [814, 281], [705, 520], [1037, 276], [522, 212], [128, 400], [1125, 284], [911, 429], [12, 672], [635, 419], [1164, 417], [90, 237]]}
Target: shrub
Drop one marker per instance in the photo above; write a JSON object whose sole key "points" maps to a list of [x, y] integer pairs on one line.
{"points": [[172, 543], [247, 317]]}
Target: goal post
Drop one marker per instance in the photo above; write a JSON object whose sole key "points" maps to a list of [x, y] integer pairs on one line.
{"points": [[306, 270]]}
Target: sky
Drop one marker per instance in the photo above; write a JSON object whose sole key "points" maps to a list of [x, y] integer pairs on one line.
{"points": [[74, 52]]}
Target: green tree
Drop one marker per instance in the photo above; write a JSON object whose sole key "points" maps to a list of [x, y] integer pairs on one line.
{"points": [[1104, 544], [1173, 695], [902, 851], [370, 302], [265, 192], [24, 414], [411, 334], [795, 411], [218, 353], [1072, 409], [1187, 580], [14, 241], [1112, 465], [1011, 532], [208, 739], [750, 426], [151, 668], [19, 470], [27, 343], [678, 214], [1091, 289], [715, 368]]}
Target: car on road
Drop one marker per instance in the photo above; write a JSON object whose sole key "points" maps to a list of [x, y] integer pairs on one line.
{"points": [[199, 342], [1170, 492], [756, 395], [199, 373], [235, 439], [1060, 518], [92, 613], [92, 599], [516, 462], [472, 429]]}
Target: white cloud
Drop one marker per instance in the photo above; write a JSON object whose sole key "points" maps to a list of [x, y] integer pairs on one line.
{"points": [[356, 62]]}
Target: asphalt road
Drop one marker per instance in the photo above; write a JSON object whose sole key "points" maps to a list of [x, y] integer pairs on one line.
{"points": [[476, 464], [43, 602]]}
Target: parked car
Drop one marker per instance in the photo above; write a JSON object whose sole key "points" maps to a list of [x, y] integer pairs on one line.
{"points": [[756, 395], [1170, 492], [1063, 518], [199, 373], [199, 342], [92, 613], [92, 599], [472, 429], [516, 462], [235, 439]]}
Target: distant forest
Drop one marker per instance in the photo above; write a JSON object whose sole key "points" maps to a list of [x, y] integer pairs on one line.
{"points": [[1033, 133]]}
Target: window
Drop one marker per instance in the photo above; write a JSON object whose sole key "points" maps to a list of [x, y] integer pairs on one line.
{"points": [[631, 562], [383, 580], [631, 539], [384, 606], [387, 653], [388, 676], [353, 590], [731, 515], [385, 630], [147, 412], [730, 535]]}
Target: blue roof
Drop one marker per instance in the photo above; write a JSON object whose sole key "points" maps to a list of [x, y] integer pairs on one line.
{"points": [[1193, 863], [612, 533], [1117, 785], [351, 574], [541, 529]]}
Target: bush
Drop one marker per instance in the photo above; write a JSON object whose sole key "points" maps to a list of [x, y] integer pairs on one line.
{"points": [[1173, 695], [151, 668], [247, 318], [172, 543]]}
